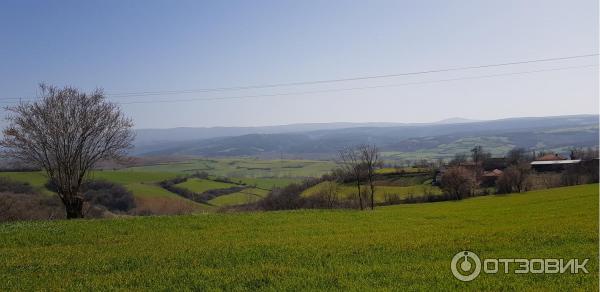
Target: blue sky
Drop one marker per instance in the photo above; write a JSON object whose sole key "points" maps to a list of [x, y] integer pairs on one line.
{"points": [[136, 46]]}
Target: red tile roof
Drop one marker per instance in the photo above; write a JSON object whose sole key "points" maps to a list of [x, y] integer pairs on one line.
{"points": [[495, 172], [549, 157]]}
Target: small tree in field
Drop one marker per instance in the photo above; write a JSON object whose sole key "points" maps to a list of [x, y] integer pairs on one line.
{"points": [[330, 193], [516, 156], [352, 164], [66, 132], [458, 182], [513, 179], [371, 160]]}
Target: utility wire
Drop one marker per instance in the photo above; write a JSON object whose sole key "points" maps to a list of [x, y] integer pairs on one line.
{"points": [[349, 89], [165, 92], [168, 92], [356, 88]]}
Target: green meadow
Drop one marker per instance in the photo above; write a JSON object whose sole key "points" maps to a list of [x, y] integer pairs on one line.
{"points": [[402, 247], [144, 186], [202, 185], [244, 167], [241, 197], [381, 192], [131, 180], [268, 183], [35, 179], [143, 181]]}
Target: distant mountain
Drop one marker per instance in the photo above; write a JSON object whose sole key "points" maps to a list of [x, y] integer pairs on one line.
{"points": [[154, 136], [323, 140], [456, 120]]}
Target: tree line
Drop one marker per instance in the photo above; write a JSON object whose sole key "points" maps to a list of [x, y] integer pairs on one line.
{"points": [[463, 176]]}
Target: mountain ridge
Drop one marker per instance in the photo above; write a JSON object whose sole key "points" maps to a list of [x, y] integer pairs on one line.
{"points": [[535, 133]]}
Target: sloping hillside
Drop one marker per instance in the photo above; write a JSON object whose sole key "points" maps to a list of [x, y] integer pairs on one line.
{"points": [[406, 247]]}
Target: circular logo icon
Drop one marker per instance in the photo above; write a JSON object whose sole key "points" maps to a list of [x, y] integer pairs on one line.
{"points": [[466, 266]]}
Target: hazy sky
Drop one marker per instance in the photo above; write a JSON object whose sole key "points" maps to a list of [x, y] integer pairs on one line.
{"points": [[140, 46]]}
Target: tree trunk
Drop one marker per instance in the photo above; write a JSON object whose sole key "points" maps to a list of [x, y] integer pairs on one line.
{"points": [[359, 194], [74, 208], [372, 196]]}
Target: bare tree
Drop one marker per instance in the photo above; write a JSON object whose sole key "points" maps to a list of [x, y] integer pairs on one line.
{"points": [[458, 182], [476, 154], [459, 158], [66, 132], [584, 154], [6, 204], [370, 159], [516, 156], [330, 193], [514, 179], [351, 163]]}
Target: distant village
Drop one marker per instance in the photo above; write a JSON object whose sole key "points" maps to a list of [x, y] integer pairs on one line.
{"points": [[528, 171]]}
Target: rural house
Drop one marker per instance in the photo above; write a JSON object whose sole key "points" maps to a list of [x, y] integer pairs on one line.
{"points": [[489, 177], [553, 162]]}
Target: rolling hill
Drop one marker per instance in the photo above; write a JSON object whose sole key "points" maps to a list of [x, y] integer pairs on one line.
{"points": [[436, 139]]}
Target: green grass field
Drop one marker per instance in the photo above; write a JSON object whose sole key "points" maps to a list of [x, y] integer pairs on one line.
{"points": [[129, 179], [265, 174], [242, 197], [245, 167], [202, 185], [35, 179], [144, 186], [267, 183], [389, 170], [381, 192], [404, 247], [146, 189], [496, 145]]}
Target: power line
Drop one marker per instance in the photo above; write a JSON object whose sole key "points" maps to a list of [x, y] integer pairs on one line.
{"points": [[152, 93], [356, 88], [165, 92], [353, 88]]}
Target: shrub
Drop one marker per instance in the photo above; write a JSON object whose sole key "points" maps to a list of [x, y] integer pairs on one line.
{"points": [[170, 185], [393, 199], [112, 196], [513, 179], [286, 198], [10, 186], [458, 182], [545, 180], [200, 174], [579, 174], [211, 194], [428, 198], [29, 207], [329, 194]]}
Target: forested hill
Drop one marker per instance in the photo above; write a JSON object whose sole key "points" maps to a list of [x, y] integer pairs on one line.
{"points": [[437, 139]]}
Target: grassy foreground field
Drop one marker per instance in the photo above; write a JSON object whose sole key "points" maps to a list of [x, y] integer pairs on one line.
{"points": [[396, 247]]}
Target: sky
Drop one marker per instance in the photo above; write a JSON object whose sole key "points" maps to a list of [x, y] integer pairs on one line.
{"points": [[129, 47]]}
